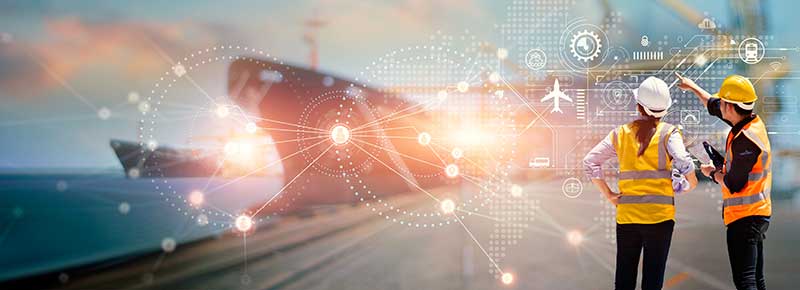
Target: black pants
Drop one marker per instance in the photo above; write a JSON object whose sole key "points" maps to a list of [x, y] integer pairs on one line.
{"points": [[746, 252], [631, 239]]}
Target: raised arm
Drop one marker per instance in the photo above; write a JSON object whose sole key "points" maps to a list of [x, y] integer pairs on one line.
{"points": [[689, 85]]}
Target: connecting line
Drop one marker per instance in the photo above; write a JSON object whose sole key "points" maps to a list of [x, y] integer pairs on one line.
{"points": [[479, 244], [390, 117], [219, 166], [388, 129], [290, 124], [244, 243], [266, 166], [292, 181], [172, 62], [549, 219], [761, 77], [292, 140], [401, 154], [437, 155], [61, 81], [387, 137], [398, 174], [598, 259], [291, 130], [480, 167], [470, 179], [708, 67], [486, 216]]}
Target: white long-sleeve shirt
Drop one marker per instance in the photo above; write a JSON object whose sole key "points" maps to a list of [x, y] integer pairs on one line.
{"points": [[603, 151]]}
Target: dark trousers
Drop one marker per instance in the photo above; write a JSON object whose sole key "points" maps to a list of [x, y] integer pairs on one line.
{"points": [[631, 239], [746, 252]]}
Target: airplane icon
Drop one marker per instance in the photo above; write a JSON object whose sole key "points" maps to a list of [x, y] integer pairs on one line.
{"points": [[556, 94]]}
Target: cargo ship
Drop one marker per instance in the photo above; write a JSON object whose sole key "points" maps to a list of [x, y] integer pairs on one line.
{"points": [[163, 161]]}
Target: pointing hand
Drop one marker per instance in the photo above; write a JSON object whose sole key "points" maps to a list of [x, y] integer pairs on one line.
{"points": [[685, 83]]}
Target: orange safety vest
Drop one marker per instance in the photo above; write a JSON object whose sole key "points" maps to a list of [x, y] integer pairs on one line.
{"points": [[754, 198], [645, 182]]}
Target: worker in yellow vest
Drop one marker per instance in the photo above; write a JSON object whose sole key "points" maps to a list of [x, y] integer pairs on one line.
{"points": [[653, 166], [746, 177]]}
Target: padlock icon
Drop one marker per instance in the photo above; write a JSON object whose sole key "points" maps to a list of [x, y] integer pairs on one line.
{"points": [[645, 40]]}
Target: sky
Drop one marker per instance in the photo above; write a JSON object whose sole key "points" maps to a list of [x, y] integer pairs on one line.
{"points": [[60, 61]]}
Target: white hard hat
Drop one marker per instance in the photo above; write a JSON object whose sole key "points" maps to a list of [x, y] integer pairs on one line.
{"points": [[653, 95]]}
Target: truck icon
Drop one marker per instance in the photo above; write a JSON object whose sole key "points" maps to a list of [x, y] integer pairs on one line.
{"points": [[539, 162]]}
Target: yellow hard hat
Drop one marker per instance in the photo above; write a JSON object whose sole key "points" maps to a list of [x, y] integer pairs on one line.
{"points": [[738, 90]]}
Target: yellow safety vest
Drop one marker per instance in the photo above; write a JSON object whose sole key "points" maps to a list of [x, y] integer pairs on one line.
{"points": [[645, 181], [754, 198]]}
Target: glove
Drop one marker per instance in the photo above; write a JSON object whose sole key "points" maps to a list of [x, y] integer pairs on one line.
{"points": [[679, 182]]}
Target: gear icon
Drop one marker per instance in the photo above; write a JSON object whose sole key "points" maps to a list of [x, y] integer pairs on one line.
{"points": [[585, 45]]}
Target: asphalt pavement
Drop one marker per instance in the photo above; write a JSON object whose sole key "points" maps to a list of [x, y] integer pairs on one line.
{"points": [[349, 247]]}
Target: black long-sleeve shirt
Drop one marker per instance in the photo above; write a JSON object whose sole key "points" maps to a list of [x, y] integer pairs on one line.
{"points": [[745, 152]]}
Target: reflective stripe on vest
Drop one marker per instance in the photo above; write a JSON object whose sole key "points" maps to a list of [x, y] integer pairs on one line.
{"points": [[641, 174], [743, 200], [645, 181], [650, 198]]}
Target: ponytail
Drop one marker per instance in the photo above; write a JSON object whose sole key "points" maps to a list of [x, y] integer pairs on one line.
{"points": [[645, 129]]}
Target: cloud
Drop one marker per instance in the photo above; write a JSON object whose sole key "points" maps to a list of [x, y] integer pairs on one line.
{"points": [[70, 46]]}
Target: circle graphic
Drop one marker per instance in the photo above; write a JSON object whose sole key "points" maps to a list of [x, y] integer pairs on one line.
{"points": [[583, 46], [572, 187], [340, 134], [751, 50], [617, 95], [536, 59]]}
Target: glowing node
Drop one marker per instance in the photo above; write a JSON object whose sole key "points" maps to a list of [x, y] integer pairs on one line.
{"points": [[502, 53], [507, 278], [424, 138], [700, 60], [202, 220], [251, 128], [222, 111], [179, 70], [457, 153], [152, 145], [103, 113], [442, 95], [340, 134], [575, 238], [168, 245], [196, 198], [516, 190], [143, 107], [448, 206], [133, 97], [124, 208], [494, 77], [462, 87], [451, 170], [244, 223], [134, 173]]}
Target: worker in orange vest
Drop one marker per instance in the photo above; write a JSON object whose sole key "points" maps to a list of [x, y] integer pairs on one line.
{"points": [[746, 178]]}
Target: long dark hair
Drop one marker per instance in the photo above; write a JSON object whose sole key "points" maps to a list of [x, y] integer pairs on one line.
{"points": [[645, 129]]}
